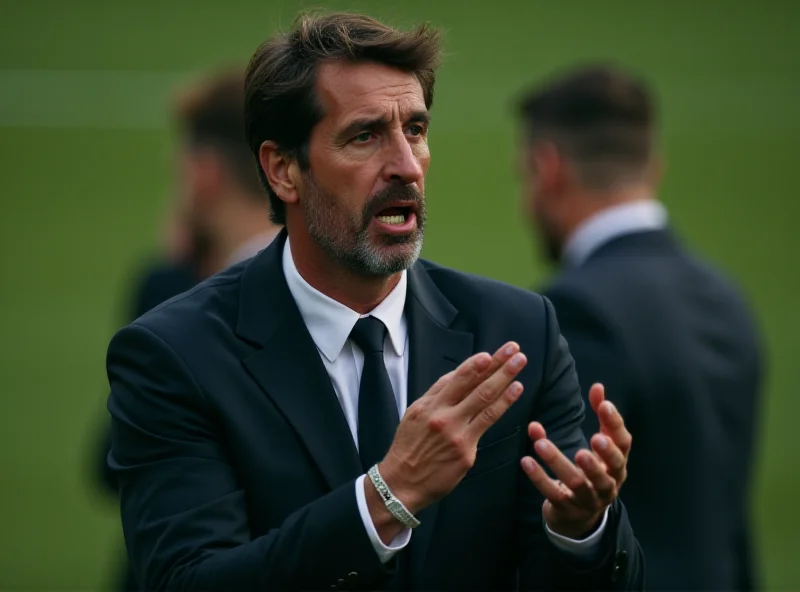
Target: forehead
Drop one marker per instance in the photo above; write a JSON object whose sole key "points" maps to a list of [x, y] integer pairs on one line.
{"points": [[348, 90]]}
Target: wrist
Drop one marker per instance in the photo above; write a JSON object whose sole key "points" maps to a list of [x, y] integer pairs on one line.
{"points": [[400, 487], [576, 531], [386, 525], [395, 506]]}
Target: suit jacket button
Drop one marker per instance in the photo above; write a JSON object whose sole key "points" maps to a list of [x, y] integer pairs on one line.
{"points": [[620, 561]]}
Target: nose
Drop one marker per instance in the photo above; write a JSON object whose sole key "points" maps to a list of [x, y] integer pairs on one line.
{"points": [[402, 163]]}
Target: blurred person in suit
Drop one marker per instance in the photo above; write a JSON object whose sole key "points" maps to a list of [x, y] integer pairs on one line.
{"points": [[337, 414], [670, 337], [219, 217]]}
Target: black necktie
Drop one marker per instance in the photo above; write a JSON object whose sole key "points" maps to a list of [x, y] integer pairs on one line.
{"points": [[377, 406]]}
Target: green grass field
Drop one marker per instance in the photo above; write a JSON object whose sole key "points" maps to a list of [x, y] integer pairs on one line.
{"points": [[85, 166]]}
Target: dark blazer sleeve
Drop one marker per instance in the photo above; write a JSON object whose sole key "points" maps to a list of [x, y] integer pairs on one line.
{"points": [[156, 284], [184, 514], [619, 564], [599, 356]]}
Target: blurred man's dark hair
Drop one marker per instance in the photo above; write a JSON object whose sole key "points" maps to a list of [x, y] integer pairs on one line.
{"points": [[602, 119], [210, 114], [281, 104]]}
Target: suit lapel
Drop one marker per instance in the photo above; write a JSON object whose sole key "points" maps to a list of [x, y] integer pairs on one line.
{"points": [[435, 350], [289, 369]]}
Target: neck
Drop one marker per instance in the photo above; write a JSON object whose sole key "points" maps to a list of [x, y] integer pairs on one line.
{"points": [[593, 203], [243, 219], [357, 292]]}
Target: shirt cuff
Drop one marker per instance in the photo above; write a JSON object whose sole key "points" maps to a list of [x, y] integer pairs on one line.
{"points": [[584, 548], [385, 552]]}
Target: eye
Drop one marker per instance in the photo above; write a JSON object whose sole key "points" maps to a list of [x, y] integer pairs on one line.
{"points": [[363, 137], [416, 129]]}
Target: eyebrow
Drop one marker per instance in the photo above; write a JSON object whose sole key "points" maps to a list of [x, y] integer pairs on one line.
{"points": [[356, 125]]}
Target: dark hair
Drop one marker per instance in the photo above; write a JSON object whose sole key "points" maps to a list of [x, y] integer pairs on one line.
{"points": [[600, 117], [281, 103], [210, 114]]}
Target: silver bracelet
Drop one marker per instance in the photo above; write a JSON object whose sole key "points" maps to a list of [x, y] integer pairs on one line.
{"points": [[394, 505]]}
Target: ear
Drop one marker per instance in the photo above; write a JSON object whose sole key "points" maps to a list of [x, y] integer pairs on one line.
{"points": [[549, 165], [281, 172]]}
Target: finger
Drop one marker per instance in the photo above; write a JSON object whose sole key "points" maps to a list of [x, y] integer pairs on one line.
{"points": [[553, 491], [566, 472], [597, 394], [500, 357], [536, 431], [596, 471], [487, 417], [488, 391], [612, 424], [612, 456], [472, 371], [440, 384]]}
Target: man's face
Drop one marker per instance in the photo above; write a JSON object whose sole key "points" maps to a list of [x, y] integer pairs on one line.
{"points": [[195, 180], [538, 198], [364, 195]]}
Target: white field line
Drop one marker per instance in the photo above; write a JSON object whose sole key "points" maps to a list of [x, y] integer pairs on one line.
{"points": [[139, 99]]}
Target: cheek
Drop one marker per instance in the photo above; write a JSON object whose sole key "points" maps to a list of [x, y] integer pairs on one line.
{"points": [[423, 155], [340, 183], [352, 189]]}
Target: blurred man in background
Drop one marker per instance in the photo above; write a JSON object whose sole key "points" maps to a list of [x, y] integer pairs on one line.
{"points": [[220, 193], [671, 339], [220, 216]]}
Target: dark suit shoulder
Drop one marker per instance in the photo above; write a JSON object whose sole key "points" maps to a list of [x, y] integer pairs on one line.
{"points": [[669, 280], [478, 297], [209, 307], [158, 281]]}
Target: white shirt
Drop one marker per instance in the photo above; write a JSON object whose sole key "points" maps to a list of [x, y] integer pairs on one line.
{"points": [[329, 322], [626, 218]]}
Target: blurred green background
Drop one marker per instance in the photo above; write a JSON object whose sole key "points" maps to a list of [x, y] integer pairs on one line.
{"points": [[85, 162]]}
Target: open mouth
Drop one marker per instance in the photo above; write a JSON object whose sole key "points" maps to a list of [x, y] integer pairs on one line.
{"points": [[397, 219], [393, 215]]}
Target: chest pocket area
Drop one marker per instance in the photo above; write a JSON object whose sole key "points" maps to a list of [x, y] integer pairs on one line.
{"points": [[497, 453]]}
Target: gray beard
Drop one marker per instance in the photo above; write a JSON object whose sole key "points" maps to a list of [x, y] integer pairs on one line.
{"points": [[348, 241]]}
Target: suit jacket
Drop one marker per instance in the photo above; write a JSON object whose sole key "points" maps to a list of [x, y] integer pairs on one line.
{"points": [[159, 282], [236, 465], [676, 347]]}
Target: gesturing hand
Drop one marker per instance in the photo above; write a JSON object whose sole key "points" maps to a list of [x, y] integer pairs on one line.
{"points": [[436, 441], [576, 501]]}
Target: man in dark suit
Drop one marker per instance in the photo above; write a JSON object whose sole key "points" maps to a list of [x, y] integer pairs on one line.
{"points": [[671, 339], [326, 415], [219, 217]]}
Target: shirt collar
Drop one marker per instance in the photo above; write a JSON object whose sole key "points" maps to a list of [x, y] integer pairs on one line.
{"points": [[330, 322], [627, 218]]}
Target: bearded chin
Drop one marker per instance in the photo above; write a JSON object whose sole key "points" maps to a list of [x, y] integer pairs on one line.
{"points": [[347, 239]]}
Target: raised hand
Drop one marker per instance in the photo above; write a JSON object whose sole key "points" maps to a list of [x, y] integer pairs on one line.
{"points": [[436, 441], [576, 500]]}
